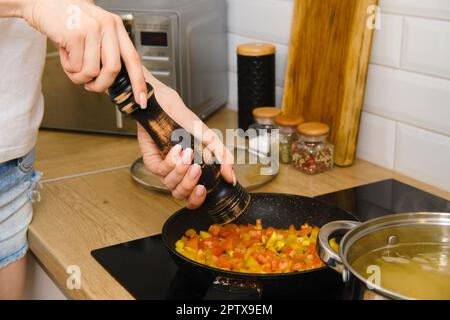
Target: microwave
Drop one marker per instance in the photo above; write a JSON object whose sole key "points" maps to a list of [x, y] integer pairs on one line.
{"points": [[182, 42]]}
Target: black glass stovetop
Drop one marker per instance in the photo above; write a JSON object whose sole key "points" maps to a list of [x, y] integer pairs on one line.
{"points": [[145, 268]]}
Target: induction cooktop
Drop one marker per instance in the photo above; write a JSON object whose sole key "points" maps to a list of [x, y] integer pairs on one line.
{"points": [[145, 268]]}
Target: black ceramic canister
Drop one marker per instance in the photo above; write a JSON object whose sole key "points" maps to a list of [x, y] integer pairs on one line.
{"points": [[256, 79]]}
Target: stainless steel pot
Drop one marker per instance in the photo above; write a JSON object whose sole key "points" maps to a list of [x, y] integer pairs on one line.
{"points": [[360, 238]]}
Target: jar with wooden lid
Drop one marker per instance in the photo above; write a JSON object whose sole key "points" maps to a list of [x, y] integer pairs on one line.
{"points": [[264, 125], [312, 153], [256, 79], [288, 134]]}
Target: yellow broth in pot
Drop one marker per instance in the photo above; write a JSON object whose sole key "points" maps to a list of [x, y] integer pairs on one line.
{"points": [[416, 271]]}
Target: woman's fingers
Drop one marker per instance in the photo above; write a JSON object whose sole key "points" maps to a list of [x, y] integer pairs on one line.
{"points": [[72, 52], [174, 177], [160, 167], [91, 55], [152, 157], [196, 198], [226, 160], [188, 182], [176, 171], [110, 57], [92, 52]]}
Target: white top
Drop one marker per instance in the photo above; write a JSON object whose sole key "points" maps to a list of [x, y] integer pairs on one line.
{"points": [[22, 58]]}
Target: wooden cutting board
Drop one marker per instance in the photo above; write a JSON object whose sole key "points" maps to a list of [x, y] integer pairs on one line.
{"points": [[327, 67]]}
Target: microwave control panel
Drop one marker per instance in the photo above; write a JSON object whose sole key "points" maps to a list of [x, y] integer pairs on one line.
{"points": [[155, 39]]}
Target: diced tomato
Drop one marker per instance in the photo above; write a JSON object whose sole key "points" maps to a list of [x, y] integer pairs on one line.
{"points": [[250, 227], [269, 231], [267, 268], [312, 248], [228, 244], [287, 249], [238, 255], [232, 227], [283, 266], [298, 266], [275, 264], [249, 243], [239, 252], [261, 258], [192, 243], [217, 251], [255, 234], [190, 233], [225, 233], [224, 262], [215, 229]]}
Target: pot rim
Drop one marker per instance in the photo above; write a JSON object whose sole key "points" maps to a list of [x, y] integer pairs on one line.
{"points": [[365, 228]]}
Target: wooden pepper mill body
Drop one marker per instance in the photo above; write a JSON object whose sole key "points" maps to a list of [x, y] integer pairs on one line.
{"points": [[224, 202]]}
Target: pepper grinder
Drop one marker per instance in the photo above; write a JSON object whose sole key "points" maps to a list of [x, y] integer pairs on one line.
{"points": [[224, 202]]}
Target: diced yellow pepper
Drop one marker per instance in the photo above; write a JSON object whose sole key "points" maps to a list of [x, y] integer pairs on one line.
{"points": [[179, 250], [190, 233], [205, 235], [314, 234], [280, 245], [190, 250], [252, 263], [272, 240], [190, 255], [291, 238], [179, 244], [334, 245], [306, 242]]}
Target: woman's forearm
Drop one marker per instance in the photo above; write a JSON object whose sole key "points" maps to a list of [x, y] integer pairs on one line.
{"points": [[12, 8]]}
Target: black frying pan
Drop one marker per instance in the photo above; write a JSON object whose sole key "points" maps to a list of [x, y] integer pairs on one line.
{"points": [[278, 211]]}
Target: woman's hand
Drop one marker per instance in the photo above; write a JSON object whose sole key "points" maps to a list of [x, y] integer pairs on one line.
{"points": [[175, 170], [91, 42]]}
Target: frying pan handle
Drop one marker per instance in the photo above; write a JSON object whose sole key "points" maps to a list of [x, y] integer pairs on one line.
{"points": [[328, 255], [224, 288]]}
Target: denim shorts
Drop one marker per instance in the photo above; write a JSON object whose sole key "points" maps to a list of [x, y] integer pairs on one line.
{"points": [[18, 182]]}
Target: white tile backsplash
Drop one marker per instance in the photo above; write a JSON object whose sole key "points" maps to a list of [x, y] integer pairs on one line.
{"points": [[423, 155], [268, 20], [409, 97], [232, 91], [387, 41], [437, 9], [426, 46], [406, 114], [376, 142]]}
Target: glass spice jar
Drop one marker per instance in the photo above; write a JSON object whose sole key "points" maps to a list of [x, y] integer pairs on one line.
{"points": [[288, 134], [312, 153], [265, 123]]}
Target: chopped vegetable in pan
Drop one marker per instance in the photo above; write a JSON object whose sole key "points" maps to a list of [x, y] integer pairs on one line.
{"points": [[252, 248]]}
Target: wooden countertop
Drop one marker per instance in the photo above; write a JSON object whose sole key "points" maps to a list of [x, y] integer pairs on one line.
{"points": [[88, 201]]}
